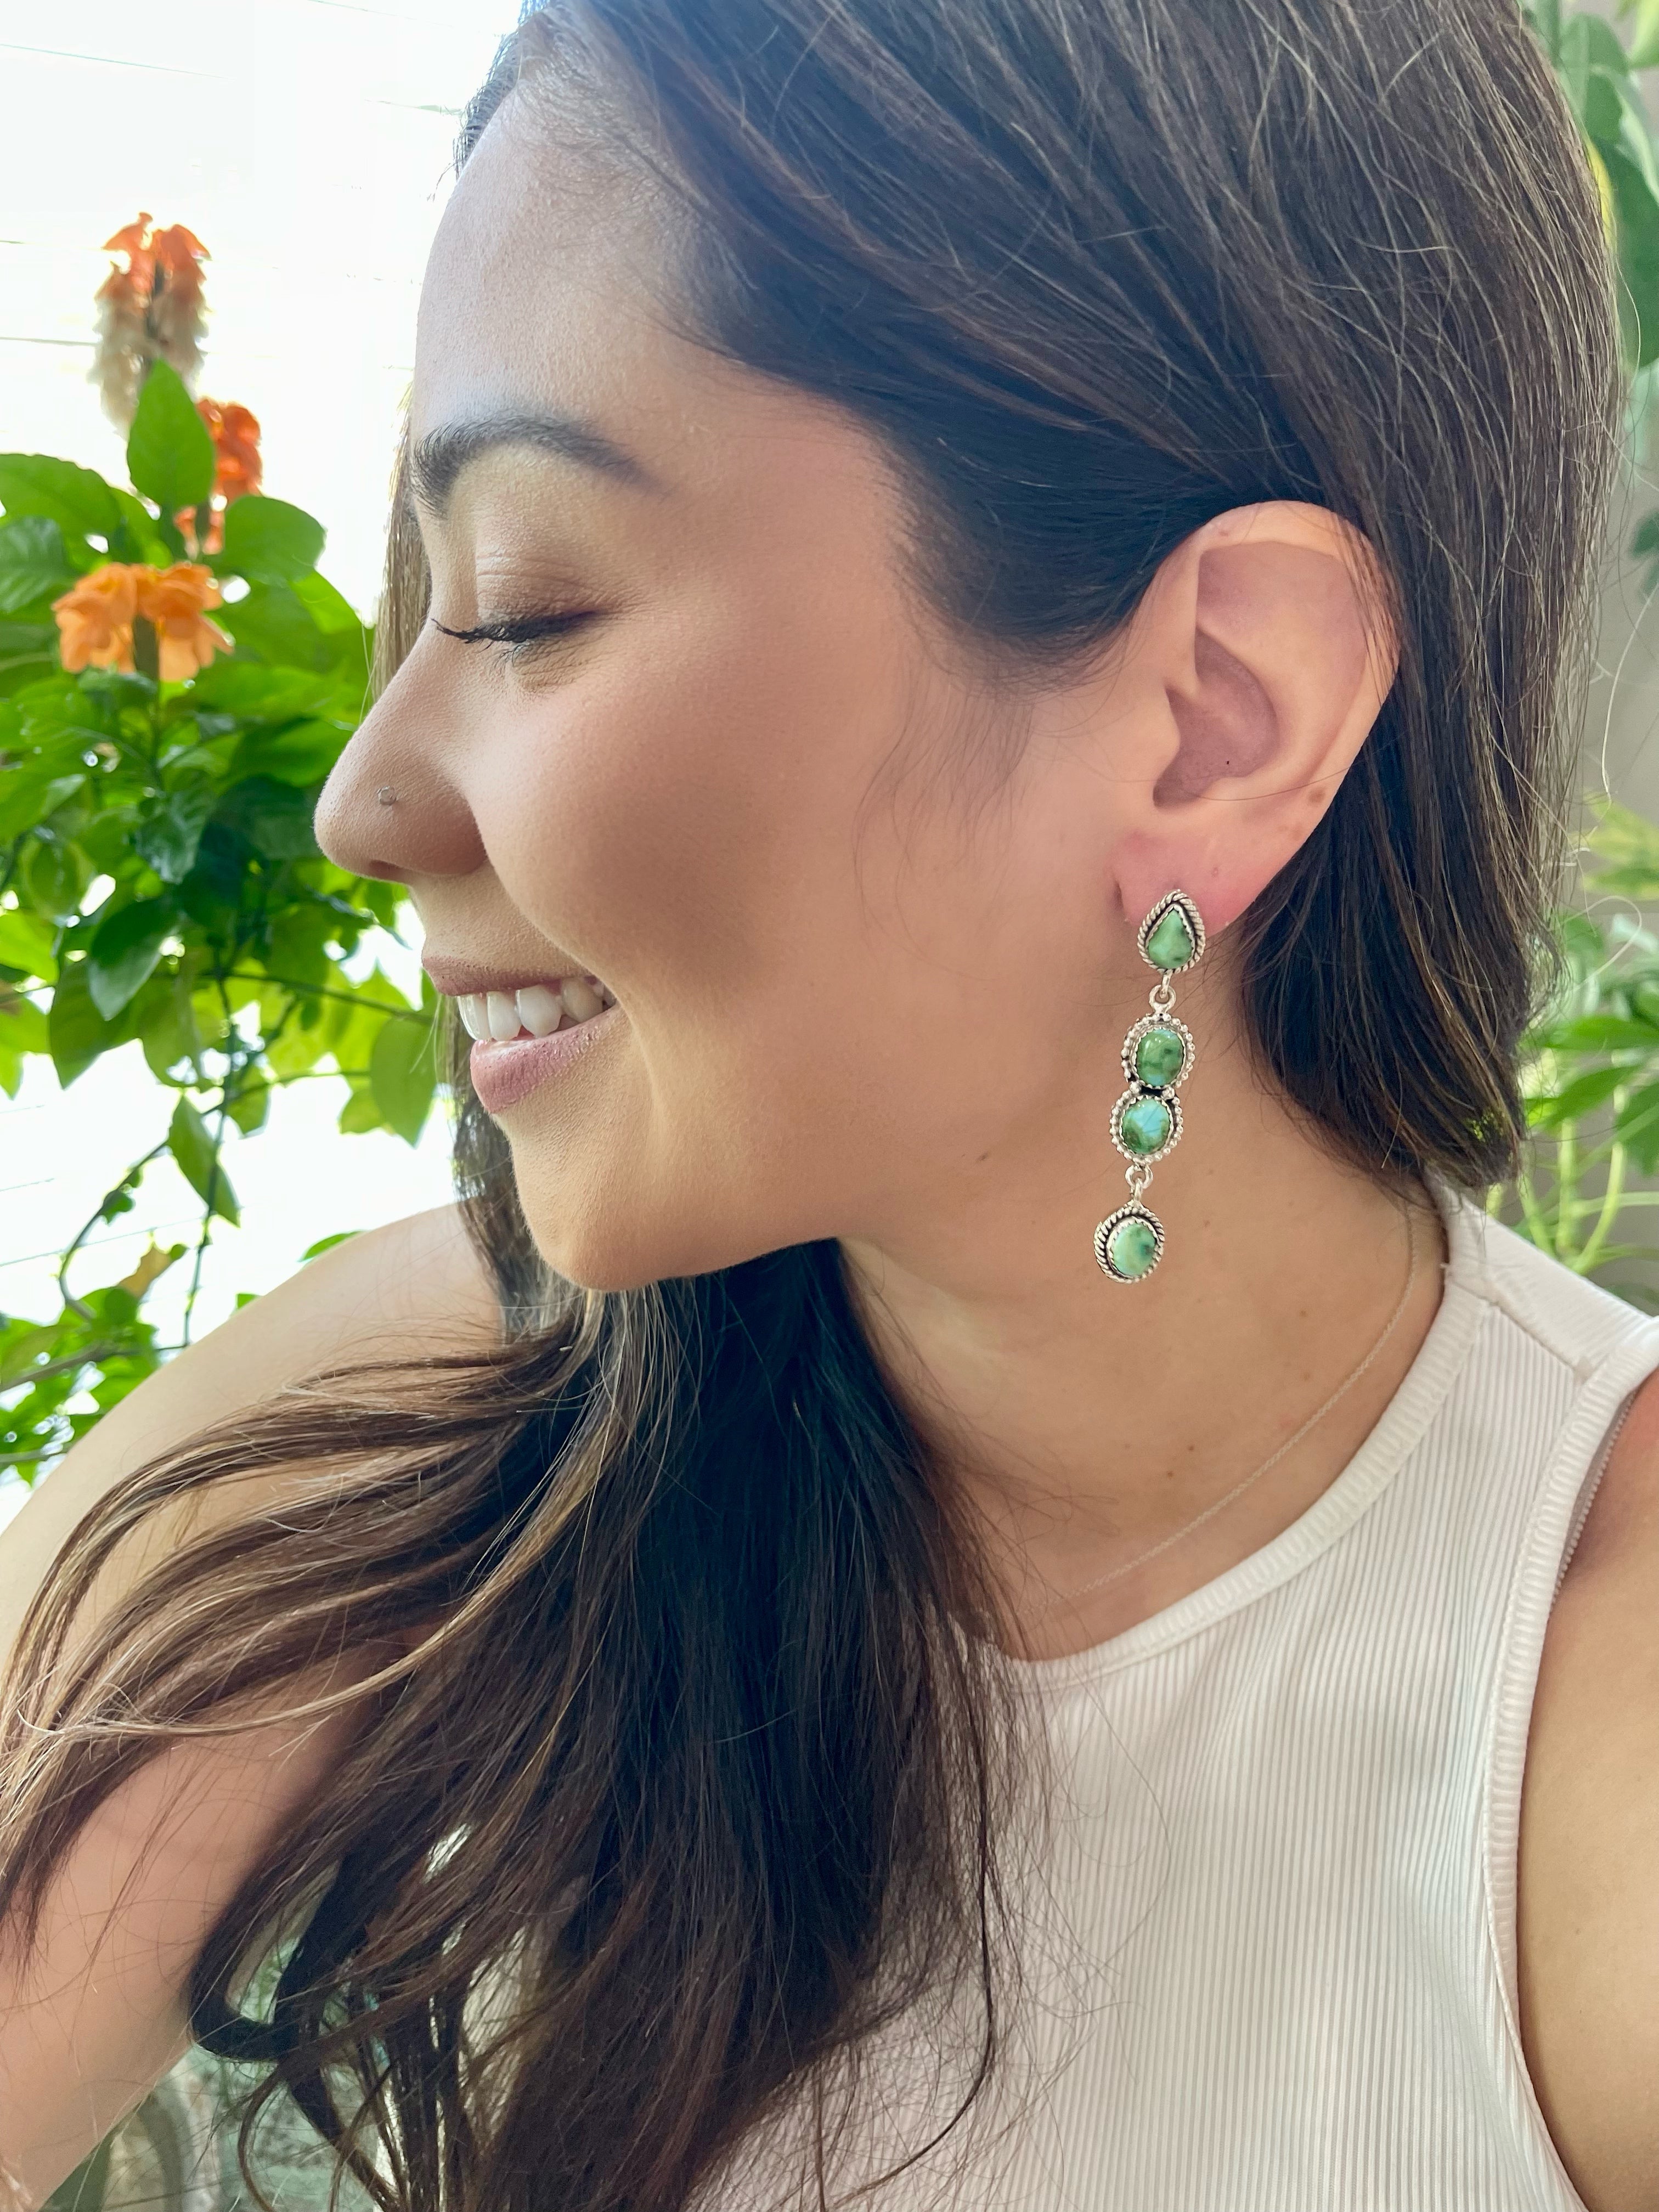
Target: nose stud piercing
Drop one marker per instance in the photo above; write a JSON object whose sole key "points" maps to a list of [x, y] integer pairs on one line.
{"points": [[386, 795], [1157, 1057]]}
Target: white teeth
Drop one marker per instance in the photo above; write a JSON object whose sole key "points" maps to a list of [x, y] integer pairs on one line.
{"points": [[539, 1009], [498, 1016]]}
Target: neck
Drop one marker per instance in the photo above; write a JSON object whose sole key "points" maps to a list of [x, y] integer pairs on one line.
{"points": [[1083, 1420]]}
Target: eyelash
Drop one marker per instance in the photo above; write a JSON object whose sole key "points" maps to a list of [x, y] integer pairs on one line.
{"points": [[516, 630]]}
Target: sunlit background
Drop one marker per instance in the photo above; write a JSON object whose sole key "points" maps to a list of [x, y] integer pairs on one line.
{"points": [[307, 142]]}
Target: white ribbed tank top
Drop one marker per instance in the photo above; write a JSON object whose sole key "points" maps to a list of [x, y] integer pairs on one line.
{"points": [[1274, 1950]]}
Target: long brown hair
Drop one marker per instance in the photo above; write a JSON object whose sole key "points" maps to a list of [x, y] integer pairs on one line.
{"points": [[691, 1752]]}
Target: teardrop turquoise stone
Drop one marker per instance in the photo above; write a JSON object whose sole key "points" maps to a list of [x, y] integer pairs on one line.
{"points": [[1170, 943], [1131, 1246], [1158, 1056], [1144, 1125]]}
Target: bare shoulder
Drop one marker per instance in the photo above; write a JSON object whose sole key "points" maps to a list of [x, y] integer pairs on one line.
{"points": [[414, 1287], [1589, 1905]]}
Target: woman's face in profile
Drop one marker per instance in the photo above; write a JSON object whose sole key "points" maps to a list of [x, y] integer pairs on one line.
{"points": [[852, 965]]}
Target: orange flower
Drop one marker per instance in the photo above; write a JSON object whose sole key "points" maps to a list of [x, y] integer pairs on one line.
{"points": [[151, 310], [235, 431], [237, 471], [176, 600], [94, 619], [177, 250], [134, 241]]}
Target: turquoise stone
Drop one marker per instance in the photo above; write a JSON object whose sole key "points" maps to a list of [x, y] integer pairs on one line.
{"points": [[1158, 1056], [1144, 1125], [1170, 943], [1131, 1246]]}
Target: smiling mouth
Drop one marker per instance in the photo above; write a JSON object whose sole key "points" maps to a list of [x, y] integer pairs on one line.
{"points": [[536, 1010]]}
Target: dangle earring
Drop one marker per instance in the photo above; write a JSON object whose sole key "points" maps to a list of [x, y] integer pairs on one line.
{"points": [[1158, 1058]]}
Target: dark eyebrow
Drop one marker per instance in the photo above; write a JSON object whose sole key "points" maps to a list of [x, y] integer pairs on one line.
{"points": [[440, 457]]}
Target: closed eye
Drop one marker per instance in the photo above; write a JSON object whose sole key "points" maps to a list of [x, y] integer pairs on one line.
{"points": [[516, 629]]}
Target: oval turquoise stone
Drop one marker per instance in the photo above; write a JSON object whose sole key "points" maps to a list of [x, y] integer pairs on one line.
{"points": [[1158, 1056], [1144, 1125], [1170, 943], [1131, 1248]]}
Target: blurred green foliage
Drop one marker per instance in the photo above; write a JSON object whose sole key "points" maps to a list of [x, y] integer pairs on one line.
{"points": [[159, 881]]}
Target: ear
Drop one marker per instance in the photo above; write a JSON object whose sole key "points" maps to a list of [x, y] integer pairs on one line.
{"points": [[1266, 652]]}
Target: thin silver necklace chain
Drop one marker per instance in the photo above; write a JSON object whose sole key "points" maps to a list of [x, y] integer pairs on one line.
{"points": [[1290, 1443]]}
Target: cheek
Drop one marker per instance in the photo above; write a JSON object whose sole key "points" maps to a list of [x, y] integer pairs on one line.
{"points": [[681, 811]]}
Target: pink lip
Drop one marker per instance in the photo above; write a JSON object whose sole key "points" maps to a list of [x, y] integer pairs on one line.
{"points": [[502, 1074]]}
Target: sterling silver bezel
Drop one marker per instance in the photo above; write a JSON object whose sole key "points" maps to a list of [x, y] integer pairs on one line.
{"points": [[1158, 1022], [1135, 1211], [1194, 923], [1135, 1093]]}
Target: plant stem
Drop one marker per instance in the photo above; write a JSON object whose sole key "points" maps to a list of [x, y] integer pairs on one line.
{"points": [[128, 1181], [1567, 1177], [1610, 1204]]}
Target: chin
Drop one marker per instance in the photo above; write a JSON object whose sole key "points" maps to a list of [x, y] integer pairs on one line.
{"points": [[616, 1246]]}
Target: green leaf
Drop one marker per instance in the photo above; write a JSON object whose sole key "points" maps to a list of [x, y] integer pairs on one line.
{"points": [[170, 455], [1635, 133], [1637, 214], [1597, 1033], [167, 1025], [1644, 35], [302, 753], [26, 942], [191, 1147], [32, 562], [327, 1243], [77, 500], [52, 878], [360, 1113], [25, 801], [1625, 843], [304, 624], [328, 608], [170, 830], [1582, 1096], [123, 954], [22, 1025], [273, 622], [275, 818], [139, 536], [76, 1032], [402, 1075], [268, 541], [1601, 113], [250, 1107], [1637, 1127], [1588, 44], [258, 694]]}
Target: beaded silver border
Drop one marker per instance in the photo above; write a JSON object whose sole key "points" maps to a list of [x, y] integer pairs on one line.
{"points": [[1135, 1211], [1194, 923], [1129, 1097], [1159, 1022]]}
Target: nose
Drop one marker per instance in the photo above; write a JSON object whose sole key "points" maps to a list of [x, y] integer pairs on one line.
{"points": [[390, 808]]}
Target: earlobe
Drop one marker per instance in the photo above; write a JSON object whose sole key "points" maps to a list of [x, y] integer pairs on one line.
{"points": [[1276, 662]]}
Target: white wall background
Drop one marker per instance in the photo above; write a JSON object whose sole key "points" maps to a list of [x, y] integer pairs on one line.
{"points": [[307, 142]]}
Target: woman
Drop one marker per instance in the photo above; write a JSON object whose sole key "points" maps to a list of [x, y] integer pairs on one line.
{"points": [[984, 608]]}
